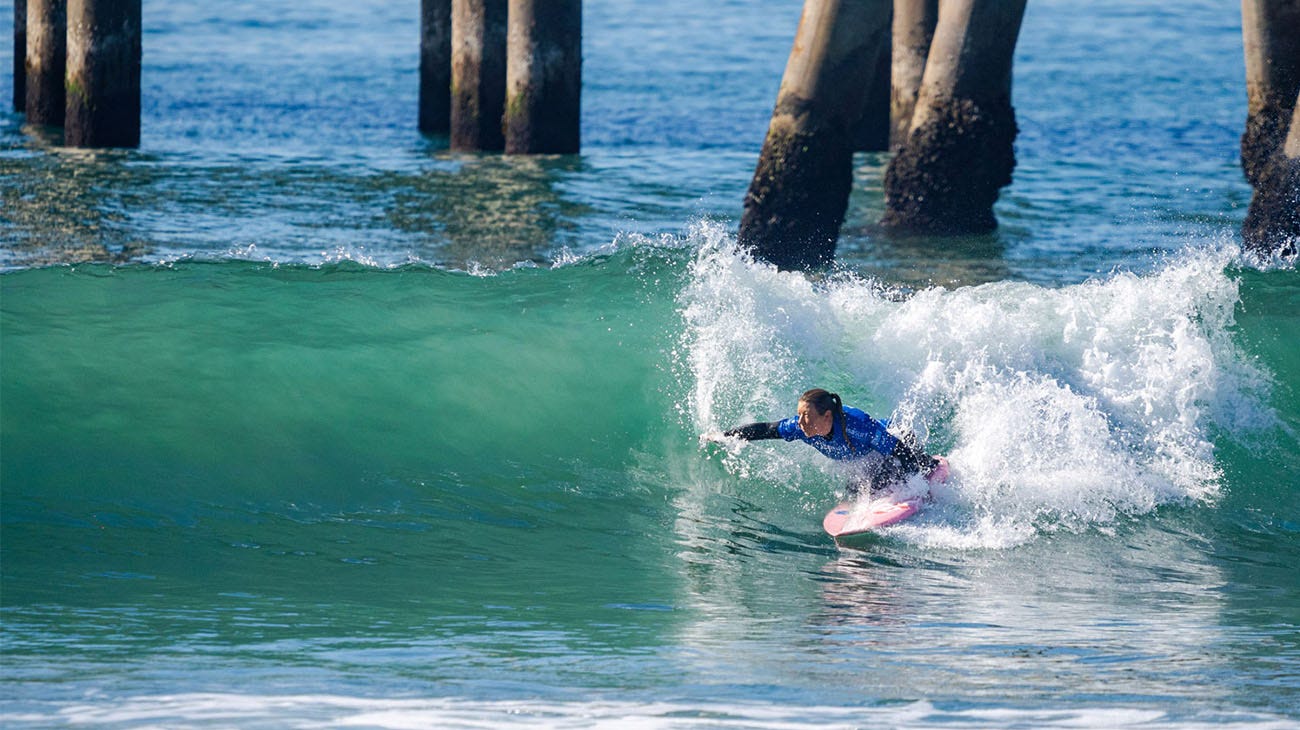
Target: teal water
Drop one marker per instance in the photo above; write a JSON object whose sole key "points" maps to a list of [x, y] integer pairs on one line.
{"points": [[253, 494], [306, 422]]}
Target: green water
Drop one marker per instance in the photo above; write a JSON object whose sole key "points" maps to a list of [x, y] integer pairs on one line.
{"points": [[295, 415]]}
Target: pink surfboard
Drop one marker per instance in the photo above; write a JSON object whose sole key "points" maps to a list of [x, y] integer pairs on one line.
{"points": [[857, 517]]}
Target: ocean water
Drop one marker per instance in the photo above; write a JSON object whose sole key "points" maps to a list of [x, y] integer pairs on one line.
{"points": [[307, 422]]}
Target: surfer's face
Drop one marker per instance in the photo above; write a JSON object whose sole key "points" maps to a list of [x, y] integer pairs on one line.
{"points": [[813, 423]]}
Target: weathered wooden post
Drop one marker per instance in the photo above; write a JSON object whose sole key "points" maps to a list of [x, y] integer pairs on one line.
{"points": [[435, 66], [913, 29], [543, 76], [1271, 37], [46, 50], [103, 76], [960, 147], [1270, 154], [800, 190], [20, 53], [478, 74], [1272, 223]]}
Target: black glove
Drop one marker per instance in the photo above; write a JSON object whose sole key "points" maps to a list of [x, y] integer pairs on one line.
{"points": [[754, 431]]}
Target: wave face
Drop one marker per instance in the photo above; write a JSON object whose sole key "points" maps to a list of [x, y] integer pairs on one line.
{"points": [[425, 475], [338, 415]]}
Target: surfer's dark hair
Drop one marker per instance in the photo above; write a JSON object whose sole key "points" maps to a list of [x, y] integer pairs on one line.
{"points": [[824, 400]]}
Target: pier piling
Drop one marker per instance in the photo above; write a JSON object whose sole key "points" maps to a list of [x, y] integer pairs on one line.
{"points": [[797, 199], [44, 65], [1270, 145], [478, 74], [435, 66], [1272, 224], [20, 53], [543, 77], [1271, 39], [959, 150], [103, 74], [913, 29]]}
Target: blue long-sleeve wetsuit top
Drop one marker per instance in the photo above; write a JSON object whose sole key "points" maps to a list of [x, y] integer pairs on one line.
{"points": [[864, 432], [866, 435]]}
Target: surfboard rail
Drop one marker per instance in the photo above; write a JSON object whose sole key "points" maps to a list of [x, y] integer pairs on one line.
{"points": [[855, 517]]}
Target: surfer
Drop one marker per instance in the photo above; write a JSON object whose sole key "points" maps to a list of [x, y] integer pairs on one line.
{"points": [[880, 459]]}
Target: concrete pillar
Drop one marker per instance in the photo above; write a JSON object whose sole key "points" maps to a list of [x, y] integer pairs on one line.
{"points": [[1272, 224], [435, 66], [960, 146], [797, 199], [478, 74], [914, 22], [46, 50], [20, 53], [1271, 34], [103, 82], [543, 76]]}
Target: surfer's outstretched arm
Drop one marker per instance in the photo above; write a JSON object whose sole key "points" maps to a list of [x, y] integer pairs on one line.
{"points": [[754, 431], [748, 432]]}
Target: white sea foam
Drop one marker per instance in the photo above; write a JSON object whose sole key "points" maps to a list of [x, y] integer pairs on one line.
{"points": [[452, 713], [1059, 407]]}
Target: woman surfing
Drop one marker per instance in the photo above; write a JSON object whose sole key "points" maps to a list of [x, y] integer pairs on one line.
{"points": [[880, 460]]}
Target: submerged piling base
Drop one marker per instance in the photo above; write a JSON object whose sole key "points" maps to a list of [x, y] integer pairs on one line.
{"points": [[810, 173], [947, 178], [1265, 133], [1272, 224]]}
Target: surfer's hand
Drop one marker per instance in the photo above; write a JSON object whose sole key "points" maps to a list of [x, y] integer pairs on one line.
{"points": [[938, 472], [713, 437]]}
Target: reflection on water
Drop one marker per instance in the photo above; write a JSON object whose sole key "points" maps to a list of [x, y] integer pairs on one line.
{"points": [[489, 210], [1067, 614], [913, 260], [65, 205], [772, 603]]}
